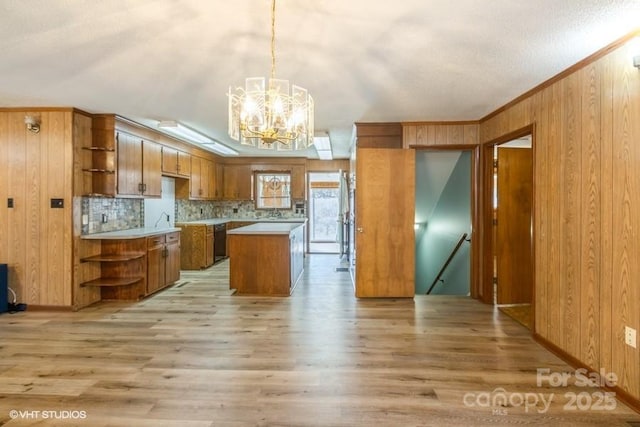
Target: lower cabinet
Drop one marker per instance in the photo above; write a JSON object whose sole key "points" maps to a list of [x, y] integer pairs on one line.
{"points": [[197, 246], [133, 268], [163, 261]]}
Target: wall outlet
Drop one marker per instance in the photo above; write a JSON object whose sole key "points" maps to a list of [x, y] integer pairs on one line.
{"points": [[630, 337], [85, 219], [105, 218]]}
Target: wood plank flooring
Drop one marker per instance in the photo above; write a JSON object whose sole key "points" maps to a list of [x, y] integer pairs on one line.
{"points": [[195, 355]]}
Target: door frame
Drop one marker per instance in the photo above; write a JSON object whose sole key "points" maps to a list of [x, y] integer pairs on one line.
{"points": [[486, 215], [475, 287]]}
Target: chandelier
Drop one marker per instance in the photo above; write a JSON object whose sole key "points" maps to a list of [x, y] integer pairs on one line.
{"points": [[266, 114]]}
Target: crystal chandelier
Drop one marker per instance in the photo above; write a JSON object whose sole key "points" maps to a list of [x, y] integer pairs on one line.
{"points": [[266, 114]]}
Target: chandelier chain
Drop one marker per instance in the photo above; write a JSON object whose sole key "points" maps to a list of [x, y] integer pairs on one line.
{"points": [[273, 39]]}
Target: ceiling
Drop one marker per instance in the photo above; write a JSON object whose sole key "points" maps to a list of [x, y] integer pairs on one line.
{"points": [[362, 60]]}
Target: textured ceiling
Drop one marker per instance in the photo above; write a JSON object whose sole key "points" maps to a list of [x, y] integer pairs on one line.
{"points": [[361, 60]]}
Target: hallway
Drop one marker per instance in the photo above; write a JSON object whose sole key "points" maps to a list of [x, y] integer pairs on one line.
{"points": [[195, 355]]}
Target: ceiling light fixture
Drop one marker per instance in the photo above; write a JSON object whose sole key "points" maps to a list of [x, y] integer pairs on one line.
{"points": [[32, 123], [267, 115], [185, 133], [322, 143]]}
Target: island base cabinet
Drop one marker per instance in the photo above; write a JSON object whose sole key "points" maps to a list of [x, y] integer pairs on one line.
{"points": [[260, 264]]}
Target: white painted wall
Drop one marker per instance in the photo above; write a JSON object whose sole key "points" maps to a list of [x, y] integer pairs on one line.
{"points": [[155, 209]]}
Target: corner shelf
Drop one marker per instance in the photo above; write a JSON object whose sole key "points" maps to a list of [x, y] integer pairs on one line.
{"points": [[93, 148], [99, 170], [112, 281], [113, 258], [110, 259]]}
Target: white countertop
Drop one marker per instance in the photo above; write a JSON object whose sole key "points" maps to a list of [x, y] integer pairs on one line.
{"points": [[132, 233], [267, 228], [216, 221]]}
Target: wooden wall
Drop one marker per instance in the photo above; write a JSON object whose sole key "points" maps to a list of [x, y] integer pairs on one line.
{"points": [[439, 133], [586, 209], [35, 239]]}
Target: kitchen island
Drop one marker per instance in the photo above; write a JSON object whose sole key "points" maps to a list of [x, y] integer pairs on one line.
{"points": [[266, 258]]}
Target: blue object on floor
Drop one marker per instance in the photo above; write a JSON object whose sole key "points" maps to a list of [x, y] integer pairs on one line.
{"points": [[4, 288]]}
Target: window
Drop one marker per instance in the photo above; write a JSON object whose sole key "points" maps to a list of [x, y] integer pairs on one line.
{"points": [[273, 190]]}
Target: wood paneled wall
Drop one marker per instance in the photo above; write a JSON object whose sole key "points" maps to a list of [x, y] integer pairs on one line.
{"points": [[586, 210], [35, 239], [440, 133]]}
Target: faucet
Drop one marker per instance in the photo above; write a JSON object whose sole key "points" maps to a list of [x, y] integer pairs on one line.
{"points": [[165, 216], [275, 213]]}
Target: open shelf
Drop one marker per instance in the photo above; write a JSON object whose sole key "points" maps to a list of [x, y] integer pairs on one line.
{"points": [[113, 258], [98, 148], [112, 281], [99, 170]]}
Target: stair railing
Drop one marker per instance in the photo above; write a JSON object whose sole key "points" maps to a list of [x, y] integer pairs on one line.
{"points": [[447, 262]]}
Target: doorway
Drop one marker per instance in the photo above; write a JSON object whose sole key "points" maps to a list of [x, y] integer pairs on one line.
{"points": [[443, 222], [512, 212], [325, 232]]}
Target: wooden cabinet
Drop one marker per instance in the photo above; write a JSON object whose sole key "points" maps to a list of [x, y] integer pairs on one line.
{"points": [[122, 273], [219, 184], [139, 166], [197, 246], [237, 182], [172, 258], [155, 263], [131, 269], [267, 260], [203, 175], [298, 183], [237, 224], [98, 160], [176, 162], [163, 254]]}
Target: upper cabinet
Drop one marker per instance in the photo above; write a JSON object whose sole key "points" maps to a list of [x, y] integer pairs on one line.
{"points": [[237, 181], [203, 179], [176, 163], [121, 163], [298, 183], [139, 166]]}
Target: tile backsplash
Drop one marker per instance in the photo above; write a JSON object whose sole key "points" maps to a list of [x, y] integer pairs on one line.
{"points": [[120, 214], [124, 214], [193, 210]]}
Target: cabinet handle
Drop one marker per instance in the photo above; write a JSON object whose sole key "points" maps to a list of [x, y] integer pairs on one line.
{"points": [[140, 188], [360, 230], [144, 188]]}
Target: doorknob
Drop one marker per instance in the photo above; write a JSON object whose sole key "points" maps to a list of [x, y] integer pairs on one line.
{"points": [[360, 230]]}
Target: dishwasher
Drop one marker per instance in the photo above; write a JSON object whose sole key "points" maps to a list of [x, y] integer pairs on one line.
{"points": [[219, 242]]}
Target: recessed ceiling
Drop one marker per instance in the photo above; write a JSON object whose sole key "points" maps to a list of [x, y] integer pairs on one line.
{"points": [[362, 60]]}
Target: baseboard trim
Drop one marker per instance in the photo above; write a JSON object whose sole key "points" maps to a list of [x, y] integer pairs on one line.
{"points": [[58, 308], [622, 395]]}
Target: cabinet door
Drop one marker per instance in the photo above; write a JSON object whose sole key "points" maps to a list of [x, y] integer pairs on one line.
{"points": [[219, 182], [151, 169], [205, 166], [172, 272], [298, 183], [169, 160], [385, 211], [184, 164], [208, 243], [211, 181], [129, 165], [237, 182], [196, 173], [155, 268]]}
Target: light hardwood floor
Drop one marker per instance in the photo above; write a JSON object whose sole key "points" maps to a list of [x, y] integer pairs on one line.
{"points": [[195, 355]]}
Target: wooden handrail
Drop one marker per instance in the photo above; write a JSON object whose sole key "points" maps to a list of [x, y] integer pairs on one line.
{"points": [[448, 261]]}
